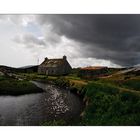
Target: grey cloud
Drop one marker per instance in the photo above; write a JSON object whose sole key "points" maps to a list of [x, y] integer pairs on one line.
{"points": [[28, 39], [110, 37]]}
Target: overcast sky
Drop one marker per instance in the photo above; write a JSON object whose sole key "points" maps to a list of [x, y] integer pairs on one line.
{"points": [[97, 40]]}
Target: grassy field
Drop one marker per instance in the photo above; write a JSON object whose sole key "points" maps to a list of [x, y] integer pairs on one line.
{"points": [[109, 105], [11, 86], [113, 100]]}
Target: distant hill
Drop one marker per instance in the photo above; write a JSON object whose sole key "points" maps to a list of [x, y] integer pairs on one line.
{"points": [[29, 66], [6, 69]]}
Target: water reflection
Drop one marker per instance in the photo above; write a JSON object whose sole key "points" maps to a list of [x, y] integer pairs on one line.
{"points": [[33, 109]]}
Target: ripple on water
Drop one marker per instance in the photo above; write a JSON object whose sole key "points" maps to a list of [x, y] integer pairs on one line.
{"points": [[33, 109]]}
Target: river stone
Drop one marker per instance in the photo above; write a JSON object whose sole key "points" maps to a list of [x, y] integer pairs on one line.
{"points": [[1, 73]]}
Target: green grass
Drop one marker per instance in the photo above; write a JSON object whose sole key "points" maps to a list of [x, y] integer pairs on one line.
{"points": [[132, 84], [108, 105], [10, 86], [2, 78], [32, 76], [129, 82], [74, 77]]}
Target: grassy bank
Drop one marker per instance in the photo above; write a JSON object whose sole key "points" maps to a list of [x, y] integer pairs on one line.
{"points": [[70, 82], [10, 86], [110, 105], [108, 101]]}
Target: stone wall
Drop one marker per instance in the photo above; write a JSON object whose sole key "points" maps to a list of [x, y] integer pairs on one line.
{"points": [[63, 69]]}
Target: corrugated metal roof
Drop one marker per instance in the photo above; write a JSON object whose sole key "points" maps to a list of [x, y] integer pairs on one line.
{"points": [[93, 68]]}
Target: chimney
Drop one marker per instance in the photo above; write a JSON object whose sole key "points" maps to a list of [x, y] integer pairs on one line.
{"points": [[46, 59], [64, 57]]}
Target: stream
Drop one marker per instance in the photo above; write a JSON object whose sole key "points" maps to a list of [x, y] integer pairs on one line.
{"points": [[34, 109]]}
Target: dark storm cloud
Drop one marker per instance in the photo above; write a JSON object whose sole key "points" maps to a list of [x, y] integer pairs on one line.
{"points": [[110, 37]]}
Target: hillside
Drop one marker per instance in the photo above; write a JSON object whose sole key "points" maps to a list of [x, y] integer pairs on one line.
{"points": [[6, 69]]}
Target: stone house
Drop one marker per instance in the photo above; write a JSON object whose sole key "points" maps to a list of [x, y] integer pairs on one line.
{"points": [[55, 66], [93, 72]]}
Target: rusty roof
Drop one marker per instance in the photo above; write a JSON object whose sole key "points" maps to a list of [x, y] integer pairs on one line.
{"points": [[93, 68]]}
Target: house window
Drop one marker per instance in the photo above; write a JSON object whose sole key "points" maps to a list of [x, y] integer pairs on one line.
{"points": [[53, 71]]}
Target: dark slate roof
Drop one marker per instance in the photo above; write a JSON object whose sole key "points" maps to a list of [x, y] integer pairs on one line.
{"points": [[52, 62]]}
